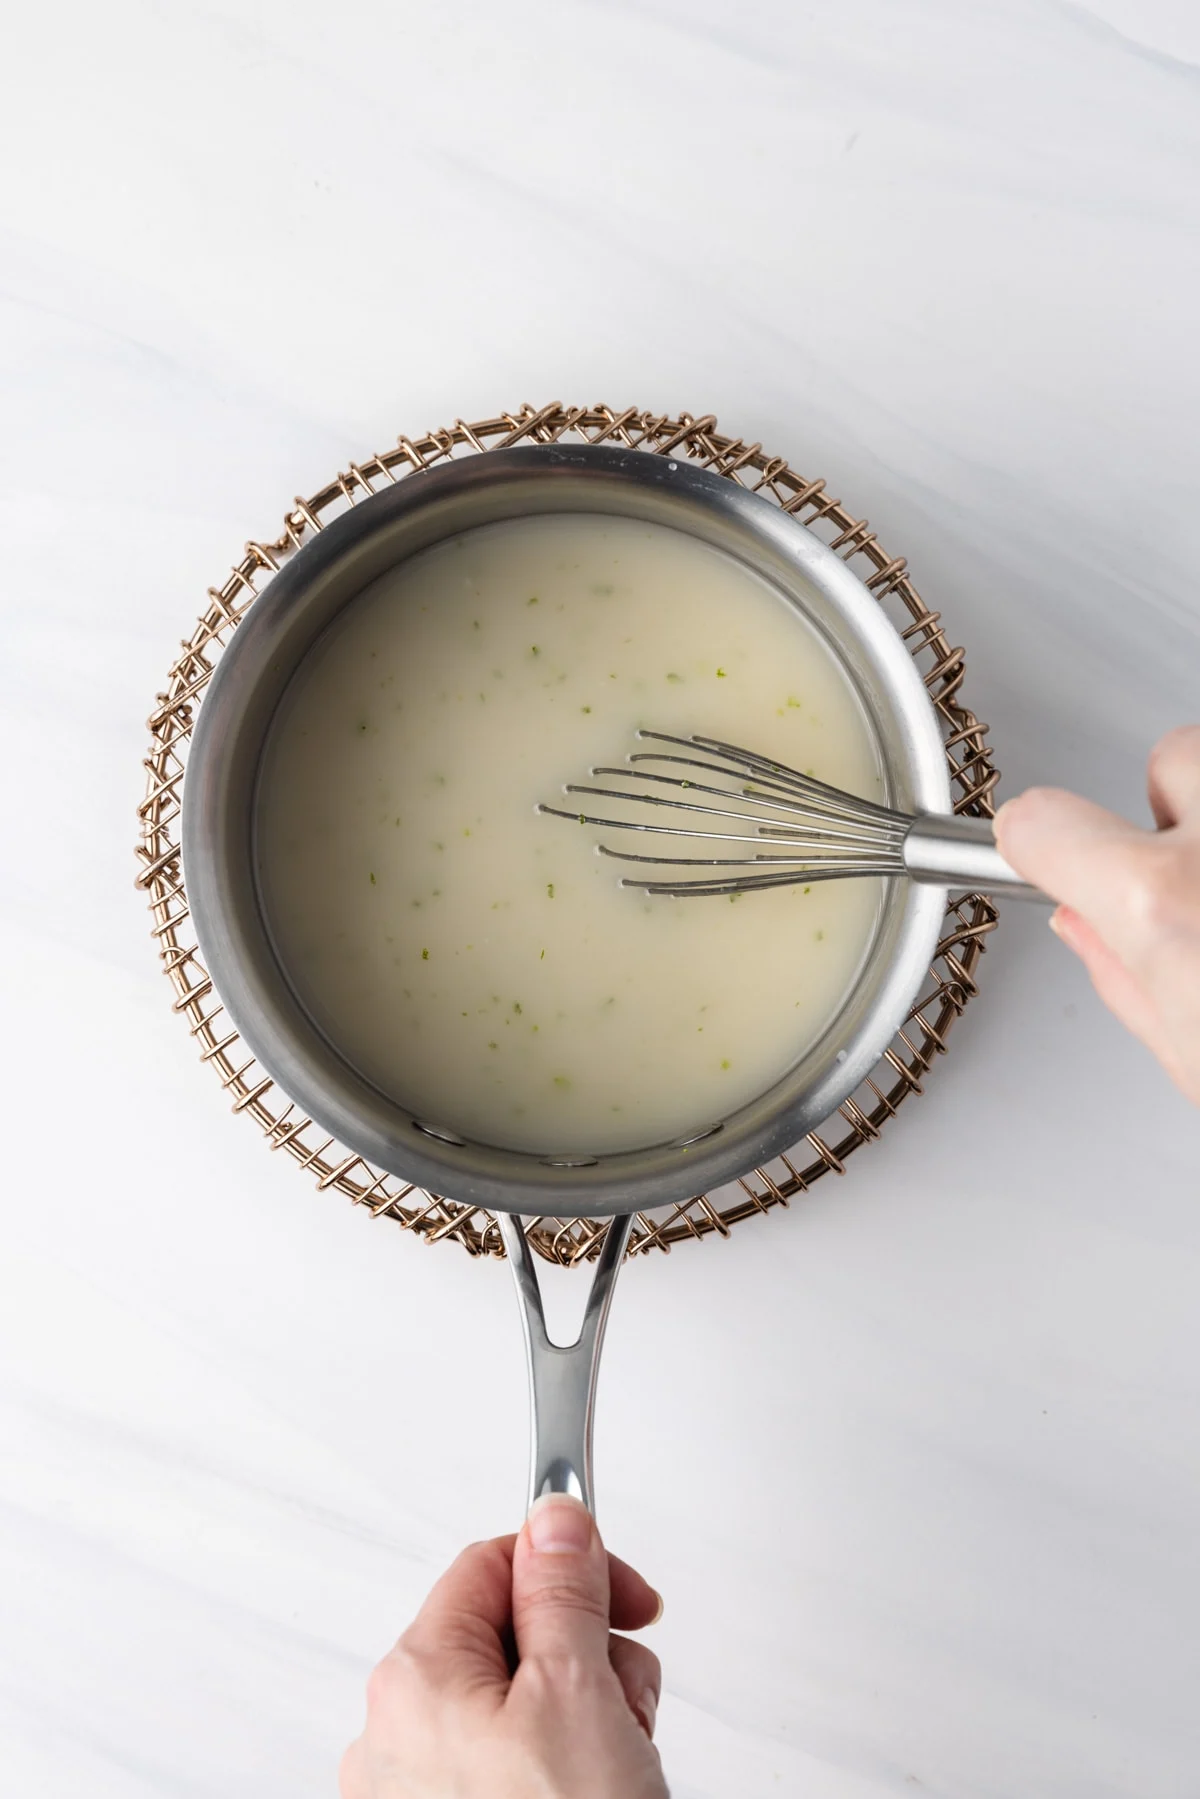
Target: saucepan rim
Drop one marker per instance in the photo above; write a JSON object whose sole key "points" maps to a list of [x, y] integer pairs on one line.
{"points": [[219, 795]]}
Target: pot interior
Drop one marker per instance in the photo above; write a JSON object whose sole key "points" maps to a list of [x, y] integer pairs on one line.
{"points": [[222, 783]]}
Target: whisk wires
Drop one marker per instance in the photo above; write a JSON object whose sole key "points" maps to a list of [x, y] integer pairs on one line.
{"points": [[796, 827]]}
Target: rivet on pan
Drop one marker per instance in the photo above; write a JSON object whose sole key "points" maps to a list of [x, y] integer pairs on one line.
{"points": [[684, 1142], [432, 1130]]}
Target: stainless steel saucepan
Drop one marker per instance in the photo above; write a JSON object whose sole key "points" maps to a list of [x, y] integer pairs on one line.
{"points": [[219, 853]]}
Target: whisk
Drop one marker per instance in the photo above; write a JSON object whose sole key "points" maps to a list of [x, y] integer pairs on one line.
{"points": [[797, 828]]}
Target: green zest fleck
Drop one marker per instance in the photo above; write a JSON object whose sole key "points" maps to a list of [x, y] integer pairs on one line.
{"points": [[720, 674], [517, 1007], [542, 957], [550, 889], [373, 879], [808, 890], [793, 702], [674, 677], [532, 600], [585, 708], [560, 1080], [424, 955], [533, 650], [818, 936], [492, 1046], [725, 1062]]}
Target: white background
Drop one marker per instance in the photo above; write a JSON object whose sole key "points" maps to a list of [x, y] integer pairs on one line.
{"points": [[916, 1464]]}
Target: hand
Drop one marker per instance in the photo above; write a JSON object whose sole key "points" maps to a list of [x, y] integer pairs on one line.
{"points": [[1131, 898], [510, 1685]]}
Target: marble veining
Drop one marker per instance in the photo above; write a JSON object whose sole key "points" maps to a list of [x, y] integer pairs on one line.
{"points": [[917, 1464]]}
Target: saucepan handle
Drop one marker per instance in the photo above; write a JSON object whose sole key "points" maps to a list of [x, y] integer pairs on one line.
{"points": [[562, 1377]]}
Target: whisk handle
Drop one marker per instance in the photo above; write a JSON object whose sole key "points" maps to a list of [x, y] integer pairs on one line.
{"points": [[944, 850]]}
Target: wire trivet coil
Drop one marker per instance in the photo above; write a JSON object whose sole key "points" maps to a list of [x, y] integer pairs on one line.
{"points": [[905, 1063]]}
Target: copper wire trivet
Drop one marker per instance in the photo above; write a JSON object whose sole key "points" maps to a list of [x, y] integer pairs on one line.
{"points": [[951, 980]]}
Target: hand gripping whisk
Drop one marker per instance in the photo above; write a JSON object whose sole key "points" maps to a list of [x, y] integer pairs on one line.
{"points": [[795, 828]]}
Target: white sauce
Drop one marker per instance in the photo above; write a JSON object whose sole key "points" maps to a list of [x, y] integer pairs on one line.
{"points": [[477, 960]]}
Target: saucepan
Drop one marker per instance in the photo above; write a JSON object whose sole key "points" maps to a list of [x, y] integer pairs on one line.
{"points": [[219, 854]]}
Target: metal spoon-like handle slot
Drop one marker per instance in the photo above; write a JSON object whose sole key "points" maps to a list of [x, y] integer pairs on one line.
{"points": [[562, 1377]]}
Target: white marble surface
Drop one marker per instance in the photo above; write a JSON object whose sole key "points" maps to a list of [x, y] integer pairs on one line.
{"points": [[916, 1465]]}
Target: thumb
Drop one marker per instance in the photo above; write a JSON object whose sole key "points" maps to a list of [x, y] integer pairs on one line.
{"points": [[1076, 852], [560, 1594]]}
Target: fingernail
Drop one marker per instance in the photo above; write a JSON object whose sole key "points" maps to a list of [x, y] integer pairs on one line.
{"points": [[1055, 924], [559, 1525], [661, 1606], [647, 1709]]}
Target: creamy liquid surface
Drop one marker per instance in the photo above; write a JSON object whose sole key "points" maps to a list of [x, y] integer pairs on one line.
{"points": [[477, 960]]}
